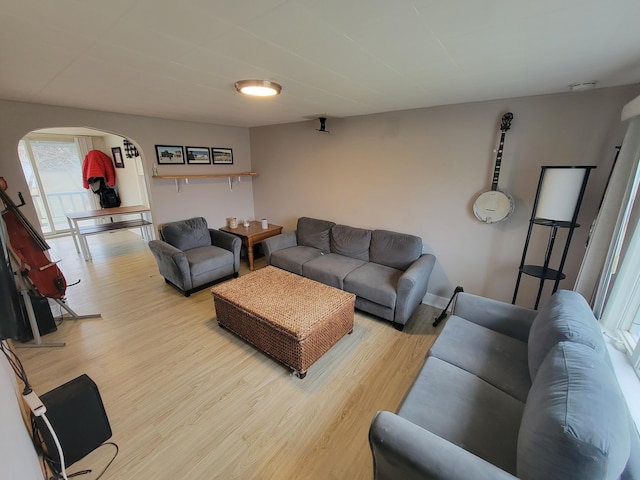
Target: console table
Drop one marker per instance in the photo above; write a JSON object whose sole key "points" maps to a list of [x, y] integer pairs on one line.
{"points": [[79, 232], [252, 235]]}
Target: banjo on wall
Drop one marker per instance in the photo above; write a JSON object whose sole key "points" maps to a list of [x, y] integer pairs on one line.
{"points": [[494, 205]]}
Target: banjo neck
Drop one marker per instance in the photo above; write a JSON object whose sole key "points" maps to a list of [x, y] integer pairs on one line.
{"points": [[496, 168]]}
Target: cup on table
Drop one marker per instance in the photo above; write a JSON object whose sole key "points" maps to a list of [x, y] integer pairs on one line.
{"points": [[265, 224]]}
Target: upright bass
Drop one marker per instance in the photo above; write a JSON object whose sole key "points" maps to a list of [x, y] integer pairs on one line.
{"points": [[29, 247]]}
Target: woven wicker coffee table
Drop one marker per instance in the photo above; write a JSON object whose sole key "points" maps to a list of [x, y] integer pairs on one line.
{"points": [[291, 318]]}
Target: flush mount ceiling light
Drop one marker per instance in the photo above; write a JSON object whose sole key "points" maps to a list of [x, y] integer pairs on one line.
{"points": [[258, 88]]}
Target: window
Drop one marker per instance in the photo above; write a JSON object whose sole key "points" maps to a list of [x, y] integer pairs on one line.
{"points": [[622, 309], [52, 166]]}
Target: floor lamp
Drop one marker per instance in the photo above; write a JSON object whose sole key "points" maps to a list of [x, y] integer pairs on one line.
{"points": [[557, 204]]}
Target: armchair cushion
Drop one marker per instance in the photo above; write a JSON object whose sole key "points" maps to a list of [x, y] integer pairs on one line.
{"points": [[186, 234]]}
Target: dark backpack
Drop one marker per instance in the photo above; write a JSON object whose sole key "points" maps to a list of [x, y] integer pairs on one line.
{"points": [[108, 196]]}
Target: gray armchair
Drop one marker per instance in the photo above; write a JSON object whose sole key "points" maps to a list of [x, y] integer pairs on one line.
{"points": [[191, 256]]}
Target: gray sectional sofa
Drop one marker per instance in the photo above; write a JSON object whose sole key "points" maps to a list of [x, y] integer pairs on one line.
{"points": [[508, 392], [387, 271]]}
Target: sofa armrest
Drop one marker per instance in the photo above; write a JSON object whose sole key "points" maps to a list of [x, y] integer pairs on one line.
{"points": [[412, 287], [402, 449], [278, 242], [172, 263], [228, 242], [501, 317]]}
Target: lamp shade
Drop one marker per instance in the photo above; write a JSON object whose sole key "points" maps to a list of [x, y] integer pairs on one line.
{"points": [[560, 191]]}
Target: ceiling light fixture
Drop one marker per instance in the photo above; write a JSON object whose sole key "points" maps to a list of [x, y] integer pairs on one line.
{"points": [[258, 88]]}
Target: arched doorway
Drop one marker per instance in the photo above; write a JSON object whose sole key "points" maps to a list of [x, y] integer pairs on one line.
{"points": [[51, 160]]}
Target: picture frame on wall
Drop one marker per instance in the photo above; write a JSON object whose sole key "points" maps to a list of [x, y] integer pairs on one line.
{"points": [[222, 156], [118, 160], [198, 155], [170, 154]]}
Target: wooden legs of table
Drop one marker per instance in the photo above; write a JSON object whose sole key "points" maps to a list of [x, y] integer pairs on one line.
{"points": [[250, 254]]}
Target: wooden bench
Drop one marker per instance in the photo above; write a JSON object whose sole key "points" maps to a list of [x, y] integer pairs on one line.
{"points": [[107, 227]]}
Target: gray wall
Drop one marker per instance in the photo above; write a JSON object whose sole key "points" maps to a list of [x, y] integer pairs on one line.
{"points": [[210, 198], [419, 171]]}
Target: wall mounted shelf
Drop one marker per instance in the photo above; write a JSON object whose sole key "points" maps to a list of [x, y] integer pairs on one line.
{"points": [[186, 178]]}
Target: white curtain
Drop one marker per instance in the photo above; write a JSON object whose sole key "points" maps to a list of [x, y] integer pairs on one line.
{"points": [[599, 260], [85, 145]]}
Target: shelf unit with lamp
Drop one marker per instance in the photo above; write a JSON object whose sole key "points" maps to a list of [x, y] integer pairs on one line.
{"points": [[556, 206]]}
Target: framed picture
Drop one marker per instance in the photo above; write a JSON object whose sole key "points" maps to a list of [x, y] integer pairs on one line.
{"points": [[117, 157], [222, 155], [198, 155], [170, 154]]}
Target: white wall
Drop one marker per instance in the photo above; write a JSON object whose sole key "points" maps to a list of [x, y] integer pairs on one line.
{"points": [[17, 454], [419, 171], [210, 198]]}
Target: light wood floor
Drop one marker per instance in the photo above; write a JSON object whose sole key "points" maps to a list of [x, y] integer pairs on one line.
{"points": [[187, 399]]}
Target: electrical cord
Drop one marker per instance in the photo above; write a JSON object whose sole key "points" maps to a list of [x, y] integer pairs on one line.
{"points": [[88, 471], [17, 367], [38, 409], [63, 470]]}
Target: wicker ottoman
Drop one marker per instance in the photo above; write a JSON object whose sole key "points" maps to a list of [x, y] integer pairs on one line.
{"points": [[291, 318]]}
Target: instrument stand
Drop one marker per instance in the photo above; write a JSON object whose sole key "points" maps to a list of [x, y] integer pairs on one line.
{"points": [[38, 343], [73, 315], [443, 315], [24, 288]]}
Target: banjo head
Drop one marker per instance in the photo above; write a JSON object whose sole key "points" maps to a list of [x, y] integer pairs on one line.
{"points": [[493, 206]]}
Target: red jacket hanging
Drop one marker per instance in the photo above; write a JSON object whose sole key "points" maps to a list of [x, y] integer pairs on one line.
{"points": [[98, 164]]}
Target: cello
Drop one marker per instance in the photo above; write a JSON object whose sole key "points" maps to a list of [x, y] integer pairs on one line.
{"points": [[29, 248]]}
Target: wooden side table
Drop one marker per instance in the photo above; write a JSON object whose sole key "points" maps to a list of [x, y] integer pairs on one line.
{"points": [[252, 235]]}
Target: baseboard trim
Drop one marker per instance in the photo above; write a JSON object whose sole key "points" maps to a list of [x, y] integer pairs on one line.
{"points": [[435, 300]]}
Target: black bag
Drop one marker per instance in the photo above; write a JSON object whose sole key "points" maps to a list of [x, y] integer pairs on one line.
{"points": [[108, 196]]}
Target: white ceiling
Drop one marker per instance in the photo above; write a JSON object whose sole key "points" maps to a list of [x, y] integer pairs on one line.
{"points": [[179, 59]]}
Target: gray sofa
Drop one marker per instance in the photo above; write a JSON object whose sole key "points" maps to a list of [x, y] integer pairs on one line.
{"points": [[508, 392], [191, 256], [387, 271]]}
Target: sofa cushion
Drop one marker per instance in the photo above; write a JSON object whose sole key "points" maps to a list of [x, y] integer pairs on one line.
{"points": [[186, 234], [351, 242], [498, 359], [467, 411], [293, 258], [565, 317], [330, 269], [574, 424], [312, 232], [374, 282], [396, 250]]}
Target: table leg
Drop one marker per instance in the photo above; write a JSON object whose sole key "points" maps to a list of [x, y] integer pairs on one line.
{"points": [[85, 247], [250, 253], [73, 234]]}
